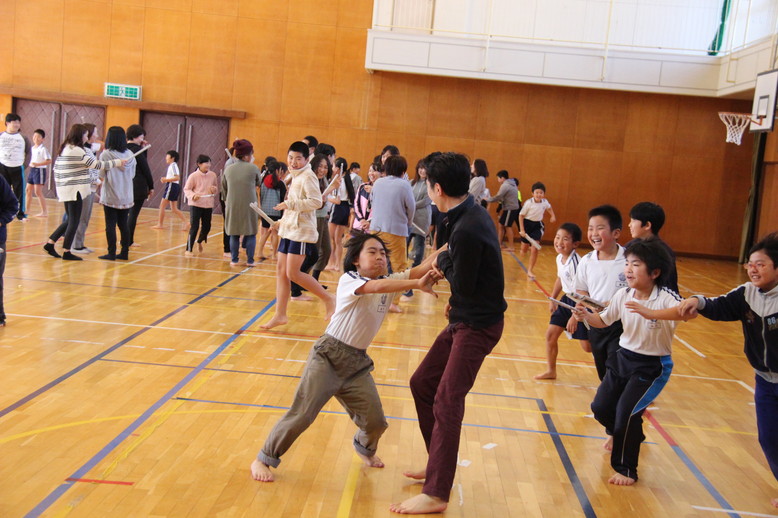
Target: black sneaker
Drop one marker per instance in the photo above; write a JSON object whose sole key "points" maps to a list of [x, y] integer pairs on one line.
{"points": [[49, 247], [67, 256]]}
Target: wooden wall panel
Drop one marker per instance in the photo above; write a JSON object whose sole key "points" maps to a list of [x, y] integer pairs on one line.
{"points": [[651, 123], [85, 60], [453, 109], [354, 14], [554, 167], [6, 104], [210, 76], [264, 10], [589, 185], [166, 54], [350, 92], [220, 7], [646, 177], [767, 220], [551, 115], [125, 49], [38, 25], [403, 103], [7, 13], [121, 116], [259, 74], [600, 120], [502, 112]]}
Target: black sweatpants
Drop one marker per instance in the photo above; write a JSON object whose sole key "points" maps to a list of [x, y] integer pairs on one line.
{"points": [[605, 343], [198, 215]]}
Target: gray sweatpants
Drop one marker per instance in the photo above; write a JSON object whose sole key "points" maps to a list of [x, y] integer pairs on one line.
{"points": [[86, 214], [333, 369]]}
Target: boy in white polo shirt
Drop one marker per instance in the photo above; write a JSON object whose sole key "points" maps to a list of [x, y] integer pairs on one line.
{"points": [[338, 365], [641, 366], [600, 273], [14, 153]]}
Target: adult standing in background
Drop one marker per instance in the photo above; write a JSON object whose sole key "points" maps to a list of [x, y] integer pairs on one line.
{"points": [[92, 147], [479, 172], [117, 193], [143, 183], [240, 184], [421, 219]]}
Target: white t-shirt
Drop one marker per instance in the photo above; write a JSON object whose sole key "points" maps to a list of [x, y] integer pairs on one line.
{"points": [[566, 271], [641, 335], [601, 279], [39, 154], [534, 210], [358, 318], [11, 149], [172, 172]]}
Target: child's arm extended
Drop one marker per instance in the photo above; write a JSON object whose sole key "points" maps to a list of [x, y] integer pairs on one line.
{"points": [[673, 313], [582, 314], [423, 283], [551, 213], [428, 264]]}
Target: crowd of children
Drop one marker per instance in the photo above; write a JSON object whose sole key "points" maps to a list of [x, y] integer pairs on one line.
{"points": [[621, 303]]}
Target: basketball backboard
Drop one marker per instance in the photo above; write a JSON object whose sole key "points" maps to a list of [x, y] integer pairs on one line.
{"points": [[763, 109]]}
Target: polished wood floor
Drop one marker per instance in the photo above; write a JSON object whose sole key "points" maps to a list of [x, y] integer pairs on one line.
{"points": [[145, 388]]}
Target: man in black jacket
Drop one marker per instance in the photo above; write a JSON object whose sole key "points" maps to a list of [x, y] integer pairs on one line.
{"points": [[143, 183], [473, 267], [8, 207]]}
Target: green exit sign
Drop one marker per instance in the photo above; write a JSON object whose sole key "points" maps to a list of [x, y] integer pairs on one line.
{"points": [[118, 91]]}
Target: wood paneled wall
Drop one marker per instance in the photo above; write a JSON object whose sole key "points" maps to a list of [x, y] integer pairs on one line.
{"points": [[297, 68]]}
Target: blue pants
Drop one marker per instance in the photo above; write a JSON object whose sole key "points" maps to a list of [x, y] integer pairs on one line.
{"points": [[766, 399], [249, 242]]}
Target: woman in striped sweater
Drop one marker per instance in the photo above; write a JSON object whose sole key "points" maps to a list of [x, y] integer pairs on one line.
{"points": [[71, 175]]}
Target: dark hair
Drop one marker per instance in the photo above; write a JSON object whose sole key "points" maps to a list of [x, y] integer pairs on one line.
{"points": [[480, 167], [449, 170], [116, 139], [299, 147], [419, 165], [40, 132], [283, 167], [769, 245], [354, 247], [503, 174], [135, 131], [354, 165], [608, 212], [173, 154], [90, 129], [312, 141], [343, 164], [395, 165], [325, 149], [572, 229], [378, 166], [647, 212], [654, 255], [75, 136], [539, 185], [393, 150], [10, 117], [316, 160], [272, 167], [201, 159]]}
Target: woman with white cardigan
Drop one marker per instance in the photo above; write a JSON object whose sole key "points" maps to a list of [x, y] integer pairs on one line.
{"points": [[71, 175]]}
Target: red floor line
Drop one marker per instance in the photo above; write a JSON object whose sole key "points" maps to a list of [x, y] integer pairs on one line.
{"points": [[658, 427], [94, 481]]}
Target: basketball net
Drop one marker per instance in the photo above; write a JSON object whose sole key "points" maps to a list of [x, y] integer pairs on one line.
{"points": [[736, 124]]}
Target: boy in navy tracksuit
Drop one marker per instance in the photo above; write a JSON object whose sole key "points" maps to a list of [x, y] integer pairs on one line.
{"points": [[9, 205], [755, 304]]}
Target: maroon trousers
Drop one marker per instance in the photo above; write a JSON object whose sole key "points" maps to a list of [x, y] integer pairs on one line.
{"points": [[439, 387]]}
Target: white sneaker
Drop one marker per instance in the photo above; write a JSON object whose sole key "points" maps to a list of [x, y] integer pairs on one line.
{"points": [[83, 250]]}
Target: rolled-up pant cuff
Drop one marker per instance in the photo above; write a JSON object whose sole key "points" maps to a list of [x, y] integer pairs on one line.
{"points": [[268, 461]]}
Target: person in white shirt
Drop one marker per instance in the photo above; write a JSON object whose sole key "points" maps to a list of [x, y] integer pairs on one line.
{"points": [[172, 183], [642, 364], [338, 365], [39, 163], [14, 153], [531, 223]]}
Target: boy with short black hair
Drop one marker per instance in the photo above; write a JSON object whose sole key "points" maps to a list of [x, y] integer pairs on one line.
{"points": [[531, 223], [566, 240], [641, 365], [646, 219], [39, 162], [172, 181], [14, 153], [600, 274]]}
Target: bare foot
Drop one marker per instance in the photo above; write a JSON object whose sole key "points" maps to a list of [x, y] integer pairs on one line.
{"points": [[232, 263], [227, 255], [135, 245], [331, 268], [415, 475], [185, 228], [188, 254], [42, 215], [329, 307], [420, 504], [261, 472], [774, 502], [275, 321], [394, 308], [548, 375], [530, 275], [371, 462], [620, 480], [303, 298], [158, 227], [608, 444], [201, 246]]}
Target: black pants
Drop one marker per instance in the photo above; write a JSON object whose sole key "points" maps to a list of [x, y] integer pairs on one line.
{"points": [[15, 178], [633, 382], [68, 228], [114, 217], [225, 237], [2, 271], [605, 343], [311, 256], [197, 215], [133, 218]]}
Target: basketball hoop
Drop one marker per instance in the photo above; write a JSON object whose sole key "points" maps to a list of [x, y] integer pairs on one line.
{"points": [[736, 124]]}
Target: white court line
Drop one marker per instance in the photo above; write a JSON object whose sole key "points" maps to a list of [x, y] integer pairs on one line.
{"points": [[732, 511], [689, 346]]}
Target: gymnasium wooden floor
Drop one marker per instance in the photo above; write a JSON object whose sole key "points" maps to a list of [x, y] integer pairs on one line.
{"points": [[145, 388]]}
